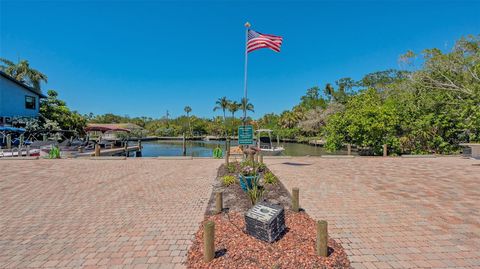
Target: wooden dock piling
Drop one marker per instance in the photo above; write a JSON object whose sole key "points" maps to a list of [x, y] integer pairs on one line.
{"points": [[322, 238], [218, 202], [97, 150], [295, 200], [184, 145], [9, 142], [209, 241]]}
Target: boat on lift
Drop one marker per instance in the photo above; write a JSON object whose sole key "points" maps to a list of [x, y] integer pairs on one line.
{"points": [[264, 143]]}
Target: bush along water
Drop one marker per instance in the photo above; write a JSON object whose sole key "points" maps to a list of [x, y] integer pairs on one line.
{"points": [[217, 153], [54, 153]]}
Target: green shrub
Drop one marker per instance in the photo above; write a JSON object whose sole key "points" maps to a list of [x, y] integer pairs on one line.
{"points": [[232, 167], [270, 178], [228, 180], [255, 193], [260, 167], [217, 153], [246, 163], [54, 153]]}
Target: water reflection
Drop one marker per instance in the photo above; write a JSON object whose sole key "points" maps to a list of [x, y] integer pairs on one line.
{"points": [[204, 148]]}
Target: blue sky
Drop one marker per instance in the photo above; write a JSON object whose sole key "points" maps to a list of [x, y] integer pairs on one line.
{"points": [[143, 58]]}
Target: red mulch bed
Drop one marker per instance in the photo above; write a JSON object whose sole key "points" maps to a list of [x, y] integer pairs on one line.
{"points": [[236, 249]]}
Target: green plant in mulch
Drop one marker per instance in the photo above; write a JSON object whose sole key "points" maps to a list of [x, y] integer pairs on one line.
{"points": [[232, 167], [260, 167], [255, 193], [270, 178], [54, 153], [247, 162], [217, 153], [228, 180]]}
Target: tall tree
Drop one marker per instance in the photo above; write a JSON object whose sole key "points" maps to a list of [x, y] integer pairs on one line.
{"points": [[222, 103], [53, 109], [329, 91], [233, 107], [22, 71], [187, 110], [246, 106]]}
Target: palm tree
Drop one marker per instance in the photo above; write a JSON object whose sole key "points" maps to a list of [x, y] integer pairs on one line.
{"points": [[233, 107], [289, 119], [22, 72], [188, 109], [246, 106], [329, 91], [222, 103]]}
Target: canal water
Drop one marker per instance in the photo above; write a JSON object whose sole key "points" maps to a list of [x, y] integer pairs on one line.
{"points": [[205, 148]]}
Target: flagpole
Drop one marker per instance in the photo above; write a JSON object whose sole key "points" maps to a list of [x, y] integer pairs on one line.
{"points": [[247, 26]]}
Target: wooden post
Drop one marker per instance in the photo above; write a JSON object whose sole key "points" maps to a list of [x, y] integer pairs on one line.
{"points": [[9, 142], [28, 150], [218, 202], [138, 153], [385, 152], [349, 149], [209, 241], [184, 146], [322, 238], [250, 156], [127, 154], [227, 152], [97, 150], [295, 199], [22, 140], [256, 157], [227, 157], [44, 137], [260, 157]]}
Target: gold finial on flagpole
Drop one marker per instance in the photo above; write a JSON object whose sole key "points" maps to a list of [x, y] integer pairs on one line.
{"points": [[247, 24]]}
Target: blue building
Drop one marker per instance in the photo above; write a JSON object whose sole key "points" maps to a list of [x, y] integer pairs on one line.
{"points": [[17, 99]]}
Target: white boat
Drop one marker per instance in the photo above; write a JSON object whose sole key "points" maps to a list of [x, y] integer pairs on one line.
{"points": [[264, 143], [14, 153]]}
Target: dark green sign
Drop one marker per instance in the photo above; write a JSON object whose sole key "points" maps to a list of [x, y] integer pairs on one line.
{"points": [[245, 135]]}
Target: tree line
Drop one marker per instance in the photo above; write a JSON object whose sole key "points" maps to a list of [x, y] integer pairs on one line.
{"points": [[430, 106]]}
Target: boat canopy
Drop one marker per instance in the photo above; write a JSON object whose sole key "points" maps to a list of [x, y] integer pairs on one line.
{"points": [[11, 129], [104, 129]]}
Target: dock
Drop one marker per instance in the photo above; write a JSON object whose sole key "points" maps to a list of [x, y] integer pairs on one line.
{"points": [[114, 152]]}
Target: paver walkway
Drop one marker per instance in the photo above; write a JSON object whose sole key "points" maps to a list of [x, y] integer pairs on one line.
{"points": [[139, 213], [393, 212]]}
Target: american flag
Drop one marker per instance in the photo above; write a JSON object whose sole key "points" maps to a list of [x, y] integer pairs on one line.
{"points": [[258, 40]]}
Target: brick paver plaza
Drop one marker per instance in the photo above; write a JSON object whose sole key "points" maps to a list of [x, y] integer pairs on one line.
{"points": [[142, 213], [393, 212], [97, 214]]}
